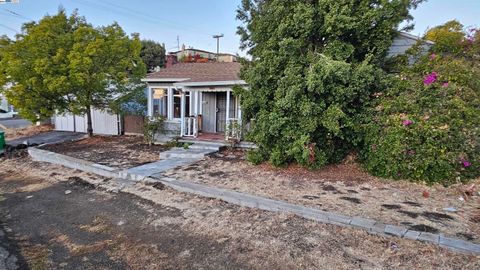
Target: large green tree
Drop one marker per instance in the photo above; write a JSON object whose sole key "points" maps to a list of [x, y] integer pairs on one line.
{"points": [[63, 64], [314, 66], [153, 54], [4, 42]]}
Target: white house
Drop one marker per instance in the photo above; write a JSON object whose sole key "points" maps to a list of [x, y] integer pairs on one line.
{"points": [[196, 99]]}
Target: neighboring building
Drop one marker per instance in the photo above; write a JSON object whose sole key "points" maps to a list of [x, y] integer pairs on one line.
{"points": [[6, 110], [195, 98], [196, 55], [405, 41], [4, 104]]}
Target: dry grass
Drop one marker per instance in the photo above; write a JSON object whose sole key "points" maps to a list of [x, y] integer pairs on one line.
{"points": [[99, 225], [36, 256], [346, 189], [209, 231], [78, 250], [12, 134]]}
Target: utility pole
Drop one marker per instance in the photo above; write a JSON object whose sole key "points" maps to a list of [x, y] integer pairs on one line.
{"points": [[218, 43], [178, 43]]}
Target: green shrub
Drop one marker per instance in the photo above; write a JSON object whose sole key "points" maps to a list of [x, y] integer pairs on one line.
{"points": [[426, 127], [151, 127], [255, 157]]}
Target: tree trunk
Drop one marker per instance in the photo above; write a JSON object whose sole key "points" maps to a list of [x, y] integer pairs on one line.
{"points": [[89, 122]]}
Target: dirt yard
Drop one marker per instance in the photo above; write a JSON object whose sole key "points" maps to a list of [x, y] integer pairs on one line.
{"points": [[88, 228], [346, 189], [119, 152]]}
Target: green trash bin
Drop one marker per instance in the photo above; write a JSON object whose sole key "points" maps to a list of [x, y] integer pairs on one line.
{"points": [[2, 141]]}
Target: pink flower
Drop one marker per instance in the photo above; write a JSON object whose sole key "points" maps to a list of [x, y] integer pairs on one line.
{"points": [[445, 85], [407, 122], [431, 78], [466, 164], [433, 56]]}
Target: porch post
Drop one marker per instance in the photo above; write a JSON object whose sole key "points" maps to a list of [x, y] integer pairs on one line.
{"points": [[150, 102], [195, 107], [227, 113], [239, 110], [200, 94], [182, 115]]}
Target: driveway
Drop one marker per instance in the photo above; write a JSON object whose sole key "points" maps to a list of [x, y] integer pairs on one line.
{"points": [[47, 137], [14, 123]]}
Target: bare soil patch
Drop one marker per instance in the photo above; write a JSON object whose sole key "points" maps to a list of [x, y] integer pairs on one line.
{"points": [[120, 152], [347, 189]]}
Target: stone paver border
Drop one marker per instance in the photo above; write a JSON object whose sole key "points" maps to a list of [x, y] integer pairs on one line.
{"points": [[252, 201]]}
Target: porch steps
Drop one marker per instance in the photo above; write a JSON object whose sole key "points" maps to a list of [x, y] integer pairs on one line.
{"points": [[207, 146], [200, 143], [182, 153]]}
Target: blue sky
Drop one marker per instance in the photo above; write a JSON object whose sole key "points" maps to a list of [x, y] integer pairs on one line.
{"points": [[196, 21]]}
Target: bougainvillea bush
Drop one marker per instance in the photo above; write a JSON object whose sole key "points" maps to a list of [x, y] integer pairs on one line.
{"points": [[426, 127]]}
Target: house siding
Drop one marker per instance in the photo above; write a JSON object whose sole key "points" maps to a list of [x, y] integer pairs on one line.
{"points": [[402, 43]]}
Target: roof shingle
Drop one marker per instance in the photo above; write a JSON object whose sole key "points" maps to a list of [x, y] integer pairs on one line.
{"points": [[200, 72]]}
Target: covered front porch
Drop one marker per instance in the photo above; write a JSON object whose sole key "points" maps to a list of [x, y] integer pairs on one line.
{"points": [[210, 114], [205, 113]]}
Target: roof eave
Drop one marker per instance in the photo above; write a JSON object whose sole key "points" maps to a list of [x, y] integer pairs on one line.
{"points": [[212, 83], [165, 80]]}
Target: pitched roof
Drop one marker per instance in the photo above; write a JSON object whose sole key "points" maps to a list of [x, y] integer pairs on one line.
{"points": [[199, 72]]}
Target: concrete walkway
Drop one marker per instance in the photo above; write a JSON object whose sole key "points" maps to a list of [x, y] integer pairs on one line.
{"points": [[247, 200], [170, 159], [47, 137]]}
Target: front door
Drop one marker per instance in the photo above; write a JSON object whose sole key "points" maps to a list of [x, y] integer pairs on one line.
{"points": [[209, 111], [221, 111]]}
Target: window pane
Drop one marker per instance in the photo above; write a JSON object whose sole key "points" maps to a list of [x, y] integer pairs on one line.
{"points": [[187, 105], [160, 103], [177, 101]]}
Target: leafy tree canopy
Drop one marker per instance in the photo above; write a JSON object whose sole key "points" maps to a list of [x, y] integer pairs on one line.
{"points": [[448, 37], [4, 41], [153, 54], [64, 64], [314, 66]]}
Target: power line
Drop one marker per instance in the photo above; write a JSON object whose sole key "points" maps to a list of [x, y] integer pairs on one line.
{"points": [[9, 28], [141, 15], [18, 15]]}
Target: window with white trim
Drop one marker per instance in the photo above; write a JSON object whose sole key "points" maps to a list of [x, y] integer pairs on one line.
{"points": [[160, 102], [177, 103]]}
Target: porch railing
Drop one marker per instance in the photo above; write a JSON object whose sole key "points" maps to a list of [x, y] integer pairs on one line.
{"points": [[233, 130], [191, 127]]}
